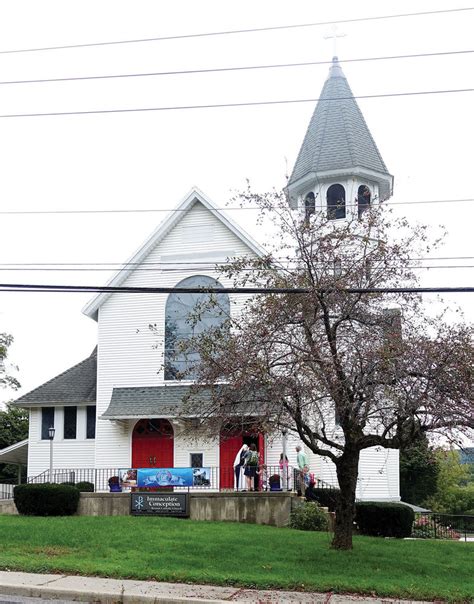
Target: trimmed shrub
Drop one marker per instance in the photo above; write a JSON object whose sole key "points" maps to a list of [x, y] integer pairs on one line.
{"points": [[85, 487], [46, 499], [308, 517], [328, 498], [384, 519]]}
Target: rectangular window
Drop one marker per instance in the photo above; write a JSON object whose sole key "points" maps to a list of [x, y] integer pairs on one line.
{"points": [[47, 420], [70, 422], [196, 460], [90, 429]]}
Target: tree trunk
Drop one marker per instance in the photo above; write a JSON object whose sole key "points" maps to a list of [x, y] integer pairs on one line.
{"points": [[347, 471]]}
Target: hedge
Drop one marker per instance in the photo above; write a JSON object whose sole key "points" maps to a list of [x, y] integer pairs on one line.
{"points": [[384, 519], [328, 498], [46, 499], [85, 487]]}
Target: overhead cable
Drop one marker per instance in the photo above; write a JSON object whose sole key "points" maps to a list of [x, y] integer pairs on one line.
{"points": [[227, 69], [23, 287], [233, 105], [239, 31], [214, 209]]}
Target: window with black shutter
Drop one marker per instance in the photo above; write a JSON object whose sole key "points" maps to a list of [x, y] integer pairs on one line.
{"points": [[47, 421], [90, 430], [70, 422]]}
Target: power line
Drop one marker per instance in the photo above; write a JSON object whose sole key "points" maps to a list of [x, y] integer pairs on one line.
{"points": [[197, 262], [228, 69], [206, 266], [238, 31], [37, 288], [230, 105], [215, 209]]}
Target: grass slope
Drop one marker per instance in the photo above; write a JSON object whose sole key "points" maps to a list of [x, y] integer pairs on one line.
{"points": [[168, 549]]}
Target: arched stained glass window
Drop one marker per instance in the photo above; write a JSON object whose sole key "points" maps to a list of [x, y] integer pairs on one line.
{"points": [[336, 202], [363, 199], [189, 315]]}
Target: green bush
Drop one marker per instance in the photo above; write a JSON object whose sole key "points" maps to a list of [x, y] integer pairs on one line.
{"points": [[308, 517], [85, 487], [328, 498], [46, 499], [384, 519]]}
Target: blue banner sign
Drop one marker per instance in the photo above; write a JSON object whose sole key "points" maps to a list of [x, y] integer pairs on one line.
{"points": [[173, 477]]}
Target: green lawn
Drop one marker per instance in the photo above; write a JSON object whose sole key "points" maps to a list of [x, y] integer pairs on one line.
{"points": [[168, 549]]}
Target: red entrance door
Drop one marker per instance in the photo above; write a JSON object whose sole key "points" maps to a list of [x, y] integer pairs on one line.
{"points": [[229, 447], [153, 444]]}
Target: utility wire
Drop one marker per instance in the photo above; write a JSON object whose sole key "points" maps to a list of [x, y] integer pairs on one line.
{"points": [[197, 262], [229, 105], [208, 266], [239, 31], [22, 287], [215, 209], [227, 69]]}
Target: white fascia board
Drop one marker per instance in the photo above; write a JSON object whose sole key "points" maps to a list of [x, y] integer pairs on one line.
{"points": [[17, 453], [195, 195]]}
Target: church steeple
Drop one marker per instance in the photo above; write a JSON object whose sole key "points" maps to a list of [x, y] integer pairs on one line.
{"points": [[338, 160]]}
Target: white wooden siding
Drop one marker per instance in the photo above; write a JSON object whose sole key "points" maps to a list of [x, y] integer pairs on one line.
{"points": [[129, 354], [78, 453]]}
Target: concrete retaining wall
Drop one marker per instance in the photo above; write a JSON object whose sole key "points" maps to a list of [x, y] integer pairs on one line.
{"points": [[8, 507], [256, 508]]}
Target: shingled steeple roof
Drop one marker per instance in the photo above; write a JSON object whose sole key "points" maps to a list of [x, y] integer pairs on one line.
{"points": [[338, 138]]}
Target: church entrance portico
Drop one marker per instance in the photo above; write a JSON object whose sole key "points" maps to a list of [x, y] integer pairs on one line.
{"points": [[153, 444]]}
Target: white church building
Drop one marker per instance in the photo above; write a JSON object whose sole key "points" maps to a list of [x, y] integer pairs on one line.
{"points": [[120, 407]]}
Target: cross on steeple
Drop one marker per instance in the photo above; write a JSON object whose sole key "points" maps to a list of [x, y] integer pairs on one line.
{"points": [[334, 37]]}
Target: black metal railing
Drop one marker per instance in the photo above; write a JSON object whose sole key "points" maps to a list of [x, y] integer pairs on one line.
{"points": [[267, 478], [429, 525], [6, 489]]}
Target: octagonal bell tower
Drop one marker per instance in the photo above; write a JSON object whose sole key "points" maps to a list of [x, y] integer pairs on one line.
{"points": [[339, 168]]}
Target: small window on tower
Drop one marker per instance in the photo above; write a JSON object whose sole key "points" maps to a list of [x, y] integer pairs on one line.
{"points": [[309, 205], [336, 202], [363, 199]]}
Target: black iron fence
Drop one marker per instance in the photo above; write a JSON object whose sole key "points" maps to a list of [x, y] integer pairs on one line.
{"points": [[264, 478], [443, 526], [6, 489]]}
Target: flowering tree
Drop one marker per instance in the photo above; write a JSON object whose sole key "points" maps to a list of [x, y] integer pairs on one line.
{"points": [[344, 371]]}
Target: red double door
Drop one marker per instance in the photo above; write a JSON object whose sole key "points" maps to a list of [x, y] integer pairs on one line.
{"points": [[153, 444], [229, 447]]}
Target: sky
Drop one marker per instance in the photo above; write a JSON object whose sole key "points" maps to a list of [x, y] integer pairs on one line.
{"points": [[151, 159]]}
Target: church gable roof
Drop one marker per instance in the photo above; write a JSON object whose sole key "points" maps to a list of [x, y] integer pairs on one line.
{"points": [[338, 137], [195, 196], [76, 385]]}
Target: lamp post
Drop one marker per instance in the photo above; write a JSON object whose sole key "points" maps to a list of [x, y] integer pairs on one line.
{"points": [[51, 432], [284, 486]]}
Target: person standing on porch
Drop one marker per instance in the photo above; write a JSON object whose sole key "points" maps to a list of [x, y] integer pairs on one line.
{"points": [[302, 461], [251, 466], [239, 464]]}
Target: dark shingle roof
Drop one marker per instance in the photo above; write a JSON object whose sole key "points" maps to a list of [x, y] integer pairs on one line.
{"points": [[73, 386], [150, 401], [337, 137]]}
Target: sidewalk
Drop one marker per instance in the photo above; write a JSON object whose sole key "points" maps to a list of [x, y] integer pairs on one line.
{"points": [[95, 589]]}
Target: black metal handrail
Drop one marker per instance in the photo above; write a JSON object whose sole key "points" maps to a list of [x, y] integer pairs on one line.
{"points": [[430, 525]]}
